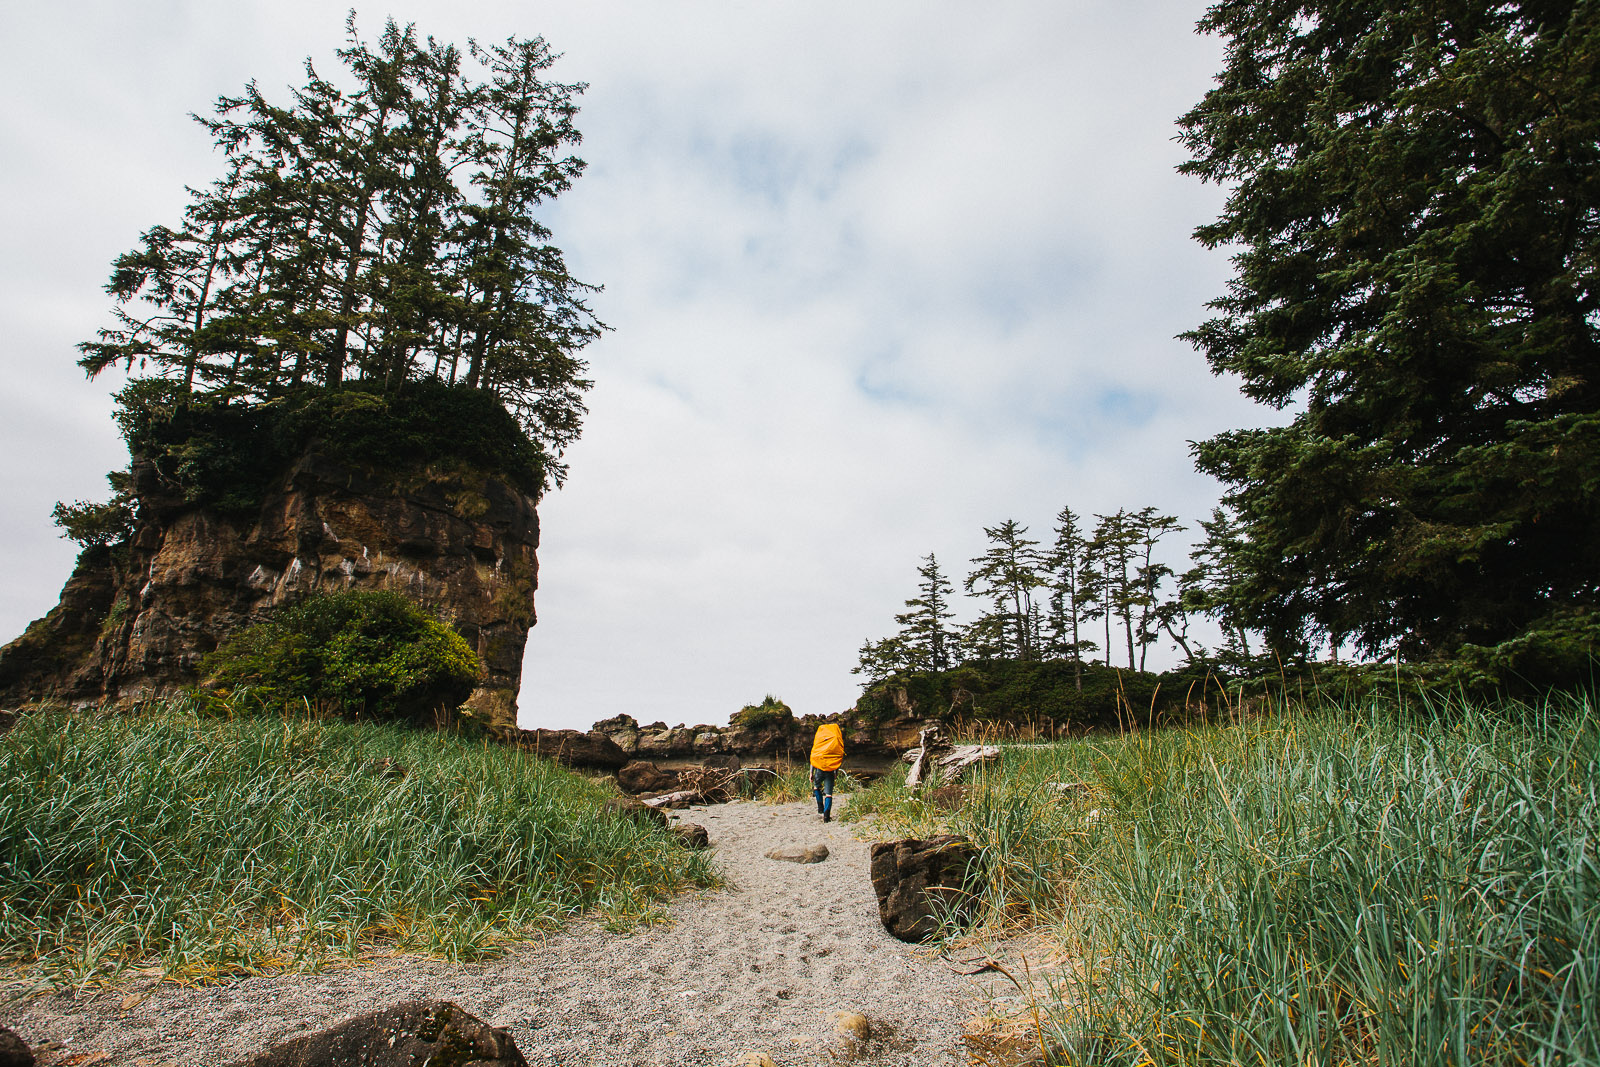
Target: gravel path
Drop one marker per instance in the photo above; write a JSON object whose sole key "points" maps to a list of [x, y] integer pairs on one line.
{"points": [[765, 964]]}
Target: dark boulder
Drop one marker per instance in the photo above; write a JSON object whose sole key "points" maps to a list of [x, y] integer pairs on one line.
{"points": [[691, 835], [642, 776], [725, 762], [14, 1052], [432, 1032], [919, 882]]}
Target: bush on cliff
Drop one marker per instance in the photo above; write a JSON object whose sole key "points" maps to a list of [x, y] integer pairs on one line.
{"points": [[363, 653], [770, 712]]}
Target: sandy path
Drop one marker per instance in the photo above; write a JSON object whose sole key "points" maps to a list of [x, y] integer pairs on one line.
{"points": [[765, 964]]}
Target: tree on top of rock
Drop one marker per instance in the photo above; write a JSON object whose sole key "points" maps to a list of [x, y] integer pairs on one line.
{"points": [[379, 229]]}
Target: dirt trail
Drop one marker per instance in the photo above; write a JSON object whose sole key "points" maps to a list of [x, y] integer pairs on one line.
{"points": [[765, 964]]}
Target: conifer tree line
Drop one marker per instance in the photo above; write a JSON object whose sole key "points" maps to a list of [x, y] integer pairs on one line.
{"points": [[1095, 591], [378, 229]]}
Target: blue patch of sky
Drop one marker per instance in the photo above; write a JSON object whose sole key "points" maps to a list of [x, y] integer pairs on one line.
{"points": [[880, 381], [763, 166]]}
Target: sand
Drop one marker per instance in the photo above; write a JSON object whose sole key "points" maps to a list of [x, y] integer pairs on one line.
{"points": [[765, 964]]}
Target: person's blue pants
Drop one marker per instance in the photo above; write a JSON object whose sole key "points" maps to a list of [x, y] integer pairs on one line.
{"points": [[822, 789]]}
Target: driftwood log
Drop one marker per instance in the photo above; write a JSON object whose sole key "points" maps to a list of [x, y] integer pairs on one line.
{"points": [[941, 762]]}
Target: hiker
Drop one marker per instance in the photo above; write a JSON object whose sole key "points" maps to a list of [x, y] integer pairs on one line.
{"points": [[827, 752]]}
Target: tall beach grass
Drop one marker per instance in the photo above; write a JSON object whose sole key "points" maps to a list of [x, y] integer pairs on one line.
{"points": [[1347, 885], [200, 845]]}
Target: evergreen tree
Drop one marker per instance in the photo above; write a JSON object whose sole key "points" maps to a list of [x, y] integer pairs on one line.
{"points": [[922, 629], [1414, 193], [881, 659], [1219, 582], [1009, 573], [1148, 528], [1069, 602], [1111, 554]]}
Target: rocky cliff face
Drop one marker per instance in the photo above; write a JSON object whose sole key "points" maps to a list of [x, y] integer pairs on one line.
{"points": [[134, 620]]}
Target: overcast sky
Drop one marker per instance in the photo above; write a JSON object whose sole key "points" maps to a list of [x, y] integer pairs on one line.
{"points": [[880, 274]]}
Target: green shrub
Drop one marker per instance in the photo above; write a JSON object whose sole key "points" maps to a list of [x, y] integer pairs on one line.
{"points": [[209, 846], [365, 653], [770, 712]]}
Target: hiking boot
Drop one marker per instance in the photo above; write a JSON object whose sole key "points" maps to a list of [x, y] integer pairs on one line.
{"points": [[827, 817]]}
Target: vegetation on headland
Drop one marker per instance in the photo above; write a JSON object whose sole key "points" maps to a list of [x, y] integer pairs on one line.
{"points": [[205, 845], [1346, 883], [368, 274]]}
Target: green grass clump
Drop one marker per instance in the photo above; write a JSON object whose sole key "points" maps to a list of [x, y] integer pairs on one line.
{"points": [[1340, 886], [208, 846], [770, 712]]}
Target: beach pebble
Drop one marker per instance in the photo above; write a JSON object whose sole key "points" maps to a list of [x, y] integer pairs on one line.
{"points": [[757, 1059], [854, 1026], [800, 853]]}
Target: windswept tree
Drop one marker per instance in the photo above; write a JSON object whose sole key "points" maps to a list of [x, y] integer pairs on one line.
{"points": [[1063, 567], [880, 659], [1148, 528], [924, 642], [378, 228], [1007, 574], [1110, 558], [1219, 582], [922, 629], [1414, 197]]}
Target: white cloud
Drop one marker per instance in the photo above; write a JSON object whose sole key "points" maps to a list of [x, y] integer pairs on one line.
{"points": [[881, 274]]}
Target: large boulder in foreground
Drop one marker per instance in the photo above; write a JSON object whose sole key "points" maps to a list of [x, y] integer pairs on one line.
{"points": [[432, 1032], [920, 881], [14, 1052]]}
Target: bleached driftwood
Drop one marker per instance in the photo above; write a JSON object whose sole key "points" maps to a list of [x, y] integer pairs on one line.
{"points": [[921, 758], [681, 799], [942, 762]]}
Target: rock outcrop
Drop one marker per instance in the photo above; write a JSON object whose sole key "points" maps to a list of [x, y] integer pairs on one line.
{"points": [[135, 620], [787, 739], [574, 748]]}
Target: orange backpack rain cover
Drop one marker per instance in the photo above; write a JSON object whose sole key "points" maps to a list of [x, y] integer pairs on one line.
{"points": [[827, 751]]}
